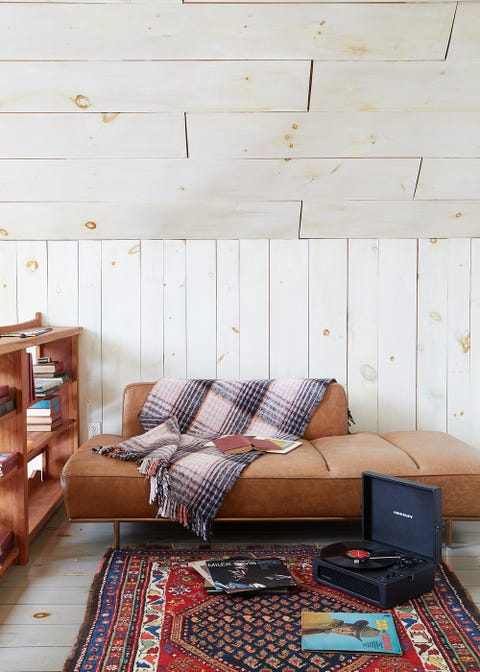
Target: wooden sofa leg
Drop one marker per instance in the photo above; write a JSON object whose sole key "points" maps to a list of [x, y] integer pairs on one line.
{"points": [[116, 533], [448, 532]]}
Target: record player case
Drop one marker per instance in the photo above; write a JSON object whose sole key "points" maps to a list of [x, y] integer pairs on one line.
{"points": [[400, 518]]}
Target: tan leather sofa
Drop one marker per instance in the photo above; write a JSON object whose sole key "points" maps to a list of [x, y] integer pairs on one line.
{"points": [[321, 479]]}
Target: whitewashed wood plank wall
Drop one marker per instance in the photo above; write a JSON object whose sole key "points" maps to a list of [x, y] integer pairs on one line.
{"points": [[396, 321], [249, 190]]}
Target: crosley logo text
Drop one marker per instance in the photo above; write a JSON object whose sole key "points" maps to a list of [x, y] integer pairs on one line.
{"points": [[402, 514]]}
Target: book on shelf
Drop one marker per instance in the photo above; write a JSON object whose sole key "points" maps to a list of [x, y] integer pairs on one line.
{"points": [[6, 544], [46, 386], [40, 393], [48, 369], [44, 427], [250, 574], [6, 393], [50, 381], [7, 406], [43, 419], [360, 632], [8, 461], [26, 333], [45, 407], [30, 380], [239, 443]]}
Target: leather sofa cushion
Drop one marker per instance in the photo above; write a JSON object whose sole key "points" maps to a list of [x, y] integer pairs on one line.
{"points": [[320, 478]]}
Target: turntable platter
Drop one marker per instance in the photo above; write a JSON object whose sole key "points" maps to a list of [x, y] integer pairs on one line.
{"points": [[358, 555]]}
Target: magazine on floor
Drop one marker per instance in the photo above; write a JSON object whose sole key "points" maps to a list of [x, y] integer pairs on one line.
{"points": [[350, 631], [235, 575]]}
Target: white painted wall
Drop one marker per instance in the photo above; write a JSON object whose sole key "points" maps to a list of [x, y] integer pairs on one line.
{"points": [[250, 190]]}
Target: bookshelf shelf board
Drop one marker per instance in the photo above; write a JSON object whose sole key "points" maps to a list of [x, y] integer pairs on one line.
{"points": [[43, 501], [13, 343], [13, 472], [36, 441], [8, 416], [9, 560]]}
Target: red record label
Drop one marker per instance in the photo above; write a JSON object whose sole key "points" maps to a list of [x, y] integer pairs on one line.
{"points": [[357, 553]]}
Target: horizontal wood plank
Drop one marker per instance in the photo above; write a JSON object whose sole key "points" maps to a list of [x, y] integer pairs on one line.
{"points": [[394, 86], [301, 2], [401, 219], [465, 42], [193, 219], [35, 658], [137, 31], [92, 135], [159, 180], [342, 134], [153, 86], [449, 179]]}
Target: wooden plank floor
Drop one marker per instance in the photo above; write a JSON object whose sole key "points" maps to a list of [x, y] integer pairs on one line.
{"points": [[42, 604]]}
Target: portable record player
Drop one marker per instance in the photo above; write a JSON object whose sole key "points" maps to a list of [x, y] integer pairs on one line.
{"points": [[401, 543]]}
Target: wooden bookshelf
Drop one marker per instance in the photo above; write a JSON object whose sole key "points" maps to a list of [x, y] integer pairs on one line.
{"points": [[27, 503]]}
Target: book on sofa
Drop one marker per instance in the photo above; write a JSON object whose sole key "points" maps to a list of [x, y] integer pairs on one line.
{"points": [[239, 443]]}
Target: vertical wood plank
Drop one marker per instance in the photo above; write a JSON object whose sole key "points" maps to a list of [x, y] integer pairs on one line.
{"points": [[432, 335], [175, 347], [289, 309], [228, 309], [397, 336], [32, 280], [8, 282], [475, 344], [458, 418], [151, 309], [327, 309], [363, 334], [254, 309], [62, 282], [90, 343], [201, 308], [120, 325]]}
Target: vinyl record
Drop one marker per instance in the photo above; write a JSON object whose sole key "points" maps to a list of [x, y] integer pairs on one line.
{"points": [[358, 555]]}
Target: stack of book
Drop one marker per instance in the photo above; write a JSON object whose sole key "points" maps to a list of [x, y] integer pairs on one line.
{"points": [[6, 543], [7, 401], [245, 574], [49, 375], [45, 415], [46, 367], [8, 461]]}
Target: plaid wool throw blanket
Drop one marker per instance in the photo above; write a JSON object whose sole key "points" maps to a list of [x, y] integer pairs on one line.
{"points": [[188, 480]]}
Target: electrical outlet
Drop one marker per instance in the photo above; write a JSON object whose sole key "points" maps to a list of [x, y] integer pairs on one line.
{"points": [[94, 429]]}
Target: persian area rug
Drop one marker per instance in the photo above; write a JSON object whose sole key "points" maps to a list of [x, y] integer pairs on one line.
{"points": [[148, 612]]}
